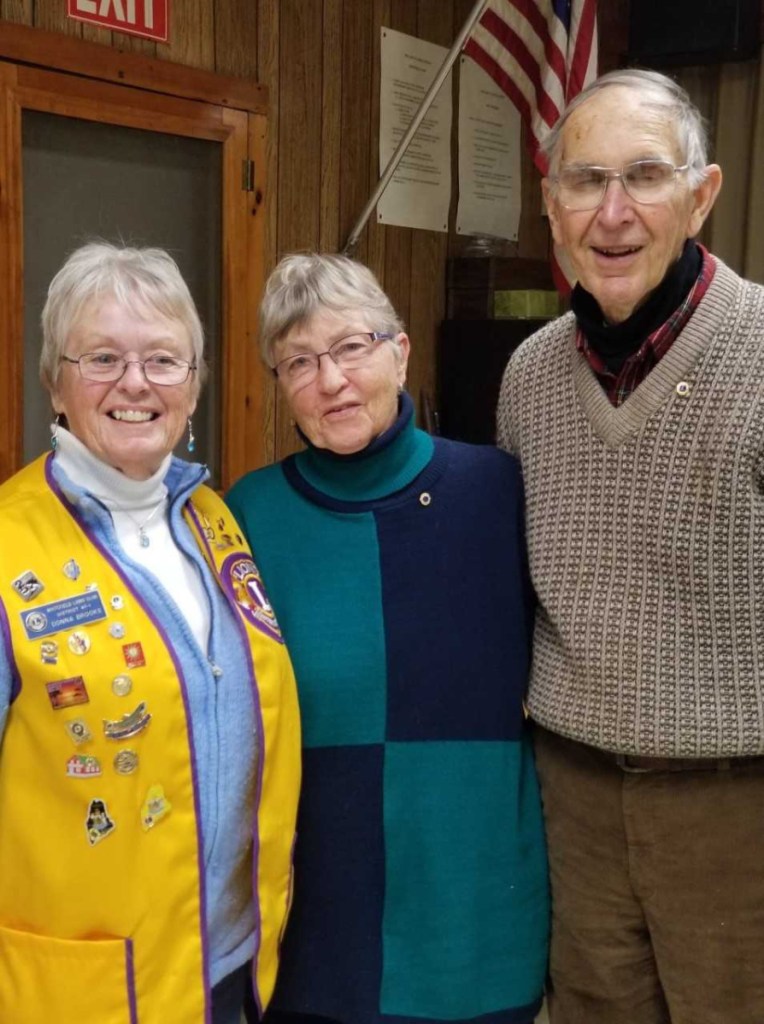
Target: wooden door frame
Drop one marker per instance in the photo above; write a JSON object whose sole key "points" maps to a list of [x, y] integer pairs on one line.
{"points": [[97, 83]]}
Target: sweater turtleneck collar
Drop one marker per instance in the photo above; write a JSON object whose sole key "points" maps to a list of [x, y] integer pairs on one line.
{"points": [[109, 485], [616, 342], [388, 464]]}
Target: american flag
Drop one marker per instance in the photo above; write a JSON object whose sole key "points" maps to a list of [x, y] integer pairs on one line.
{"points": [[541, 53]]}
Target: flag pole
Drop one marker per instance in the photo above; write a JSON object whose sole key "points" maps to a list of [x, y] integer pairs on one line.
{"points": [[419, 116]]}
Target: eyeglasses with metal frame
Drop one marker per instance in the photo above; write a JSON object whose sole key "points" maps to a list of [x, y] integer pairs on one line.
{"points": [[106, 367], [647, 182], [347, 353]]}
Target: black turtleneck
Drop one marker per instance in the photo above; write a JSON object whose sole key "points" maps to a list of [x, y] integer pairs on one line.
{"points": [[616, 342]]}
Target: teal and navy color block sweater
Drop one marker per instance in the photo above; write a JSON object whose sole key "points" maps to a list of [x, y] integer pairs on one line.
{"points": [[398, 576]]}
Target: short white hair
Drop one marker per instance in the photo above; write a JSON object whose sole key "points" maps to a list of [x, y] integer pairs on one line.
{"points": [[140, 279], [658, 91], [304, 284]]}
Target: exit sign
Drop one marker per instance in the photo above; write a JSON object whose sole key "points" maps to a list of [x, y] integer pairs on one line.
{"points": [[137, 17]]}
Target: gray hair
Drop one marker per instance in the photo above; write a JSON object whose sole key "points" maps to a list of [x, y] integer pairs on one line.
{"points": [[660, 92], [140, 279], [304, 284]]}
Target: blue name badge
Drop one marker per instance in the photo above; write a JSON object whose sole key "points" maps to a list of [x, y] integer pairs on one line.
{"points": [[65, 614]]}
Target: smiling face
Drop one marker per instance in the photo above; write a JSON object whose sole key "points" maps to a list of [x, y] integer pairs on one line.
{"points": [[344, 410], [622, 250], [130, 424]]}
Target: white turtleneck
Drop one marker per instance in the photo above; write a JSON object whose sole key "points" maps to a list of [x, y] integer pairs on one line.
{"points": [[134, 504]]}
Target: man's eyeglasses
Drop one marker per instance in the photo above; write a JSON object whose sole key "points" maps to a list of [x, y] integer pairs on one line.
{"points": [[347, 353], [106, 367], [646, 181]]}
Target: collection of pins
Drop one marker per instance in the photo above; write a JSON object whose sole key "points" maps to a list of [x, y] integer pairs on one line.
{"points": [[71, 617]]}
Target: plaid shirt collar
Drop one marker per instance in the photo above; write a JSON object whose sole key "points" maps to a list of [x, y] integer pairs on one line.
{"points": [[618, 386]]}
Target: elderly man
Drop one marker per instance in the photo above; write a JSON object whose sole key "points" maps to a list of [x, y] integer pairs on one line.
{"points": [[639, 421]]}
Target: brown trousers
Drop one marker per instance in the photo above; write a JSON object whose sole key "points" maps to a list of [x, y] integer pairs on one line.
{"points": [[657, 890]]}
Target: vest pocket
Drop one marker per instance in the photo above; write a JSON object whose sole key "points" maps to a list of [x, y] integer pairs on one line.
{"points": [[65, 980]]}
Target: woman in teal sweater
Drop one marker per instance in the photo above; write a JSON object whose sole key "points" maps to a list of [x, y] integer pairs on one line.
{"points": [[396, 566]]}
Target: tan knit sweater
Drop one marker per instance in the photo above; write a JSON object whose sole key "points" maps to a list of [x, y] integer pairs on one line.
{"points": [[646, 534]]}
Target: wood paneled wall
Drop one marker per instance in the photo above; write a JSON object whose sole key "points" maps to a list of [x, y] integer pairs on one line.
{"points": [[320, 62]]}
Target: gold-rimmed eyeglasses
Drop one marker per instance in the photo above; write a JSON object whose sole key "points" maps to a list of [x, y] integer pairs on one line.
{"points": [[645, 181], [107, 367]]}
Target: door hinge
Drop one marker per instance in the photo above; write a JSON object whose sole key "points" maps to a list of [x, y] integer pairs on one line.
{"points": [[248, 175]]}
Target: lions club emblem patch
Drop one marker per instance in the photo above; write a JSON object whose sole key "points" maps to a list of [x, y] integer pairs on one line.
{"points": [[243, 582]]}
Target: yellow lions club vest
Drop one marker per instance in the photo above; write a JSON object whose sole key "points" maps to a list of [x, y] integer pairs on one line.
{"points": [[101, 875]]}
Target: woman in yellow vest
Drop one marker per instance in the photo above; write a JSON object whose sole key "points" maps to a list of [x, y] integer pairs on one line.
{"points": [[149, 765]]}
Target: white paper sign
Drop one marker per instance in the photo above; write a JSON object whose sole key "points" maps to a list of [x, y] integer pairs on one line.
{"points": [[419, 192], [489, 157]]}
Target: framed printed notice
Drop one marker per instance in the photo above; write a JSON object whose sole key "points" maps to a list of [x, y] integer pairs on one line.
{"points": [[489, 157], [419, 192]]}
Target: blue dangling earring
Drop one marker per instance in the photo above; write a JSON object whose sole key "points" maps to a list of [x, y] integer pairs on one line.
{"points": [[191, 446], [54, 433]]}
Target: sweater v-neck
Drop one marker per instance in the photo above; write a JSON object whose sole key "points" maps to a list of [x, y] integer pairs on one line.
{"points": [[680, 365]]}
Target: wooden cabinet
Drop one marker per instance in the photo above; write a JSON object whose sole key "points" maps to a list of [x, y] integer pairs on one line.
{"points": [[472, 355]]}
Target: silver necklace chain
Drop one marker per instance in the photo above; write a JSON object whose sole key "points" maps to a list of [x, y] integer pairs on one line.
{"points": [[143, 538]]}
